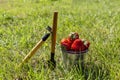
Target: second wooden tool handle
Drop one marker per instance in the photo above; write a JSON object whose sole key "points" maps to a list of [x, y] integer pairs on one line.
{"points": [[54, 30], [37, 46]]}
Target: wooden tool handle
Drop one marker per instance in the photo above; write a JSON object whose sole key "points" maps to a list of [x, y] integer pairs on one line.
{"points": [[34, 49], [54, 30], [32, 52]]}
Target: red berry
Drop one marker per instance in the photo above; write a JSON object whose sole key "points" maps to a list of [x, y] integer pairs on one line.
{"points": [[82, 48], [64, 40], [77, 45], [66, 46], [87, 44], [73, 36], [66, 43]]}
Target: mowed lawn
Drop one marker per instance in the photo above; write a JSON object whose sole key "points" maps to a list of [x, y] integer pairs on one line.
{"points": [[23, 23]]}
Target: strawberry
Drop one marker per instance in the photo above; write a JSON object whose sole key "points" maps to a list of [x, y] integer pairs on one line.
{"points": [[82, 47], [77, 45], [66, 46], [64, 40], [66, 43], [87, 44], [73, 36]]}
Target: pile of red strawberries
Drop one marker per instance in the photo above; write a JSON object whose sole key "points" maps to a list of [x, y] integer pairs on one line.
{"points": [[74, 43]]}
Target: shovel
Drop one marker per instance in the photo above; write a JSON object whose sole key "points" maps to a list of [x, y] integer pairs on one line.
{"points": [[34, 49], [52, 62]]}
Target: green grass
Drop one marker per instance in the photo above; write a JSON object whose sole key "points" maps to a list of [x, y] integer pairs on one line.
{"points": [[23, 23]]}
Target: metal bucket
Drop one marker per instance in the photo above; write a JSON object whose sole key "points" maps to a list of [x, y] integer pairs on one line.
{"points": [[72, 59]]}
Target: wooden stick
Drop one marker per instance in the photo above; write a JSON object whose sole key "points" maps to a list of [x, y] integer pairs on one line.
{"points": [[54, 30], [52, 62], [34, 49]]}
